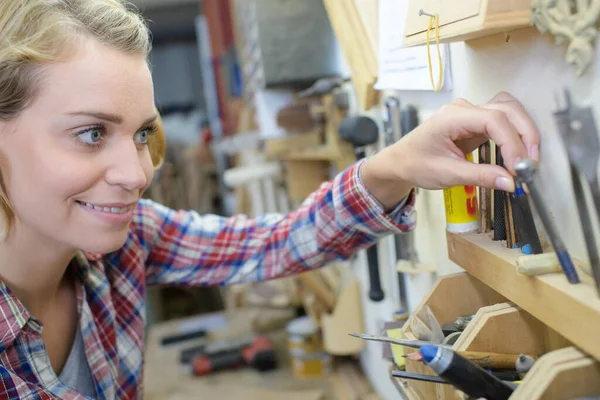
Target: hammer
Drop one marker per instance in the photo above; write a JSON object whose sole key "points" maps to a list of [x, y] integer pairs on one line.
{"points": [[361, 131]]}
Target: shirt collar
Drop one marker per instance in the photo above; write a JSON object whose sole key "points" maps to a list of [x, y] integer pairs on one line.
{"points": [[14, 316]]}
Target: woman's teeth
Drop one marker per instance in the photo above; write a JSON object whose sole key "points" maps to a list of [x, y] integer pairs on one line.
{"points": [[115, 210]]}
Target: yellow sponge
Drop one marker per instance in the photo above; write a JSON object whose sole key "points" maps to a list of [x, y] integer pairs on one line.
{"points": [[397, 350]]}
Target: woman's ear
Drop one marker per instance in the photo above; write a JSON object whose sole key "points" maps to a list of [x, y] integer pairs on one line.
{"points": [[157, 144]]}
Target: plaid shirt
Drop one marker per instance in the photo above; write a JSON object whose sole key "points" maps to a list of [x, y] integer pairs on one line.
{"points": [[181, 247]]}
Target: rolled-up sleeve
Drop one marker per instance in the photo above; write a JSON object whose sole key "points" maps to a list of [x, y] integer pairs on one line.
{"points": [[336, 221]]}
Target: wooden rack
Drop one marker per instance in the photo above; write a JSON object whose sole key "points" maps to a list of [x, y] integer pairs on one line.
{"points": [[571, 310], [514, 313]]}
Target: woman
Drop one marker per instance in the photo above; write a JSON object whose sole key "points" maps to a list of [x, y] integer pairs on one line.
{"points": [[79, 247]]}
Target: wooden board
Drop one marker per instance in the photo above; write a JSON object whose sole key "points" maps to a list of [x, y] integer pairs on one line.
{"points": [[368, 11], [460, 22], [356, 41], [573, 311]]}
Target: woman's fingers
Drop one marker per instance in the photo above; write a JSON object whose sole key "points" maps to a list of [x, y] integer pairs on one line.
{"points": [[516, 114], [466, 123], [484, 175]]}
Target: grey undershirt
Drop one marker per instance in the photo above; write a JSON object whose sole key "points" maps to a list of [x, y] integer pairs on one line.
{"points": [[76, 373]]}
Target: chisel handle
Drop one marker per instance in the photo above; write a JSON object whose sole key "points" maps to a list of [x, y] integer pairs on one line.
{"points": [[491, 360]]}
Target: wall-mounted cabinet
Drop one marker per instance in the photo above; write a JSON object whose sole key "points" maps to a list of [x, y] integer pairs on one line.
{"points": [[465, 19]]}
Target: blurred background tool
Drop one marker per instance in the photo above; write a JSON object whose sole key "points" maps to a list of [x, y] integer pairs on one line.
{"points": [[323, 86], [361, 131], [393, 133], [578, 130], [259, 354], [526, 170], [172, 339]]}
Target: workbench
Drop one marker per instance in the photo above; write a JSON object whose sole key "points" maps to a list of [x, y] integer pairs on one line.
{"points": [[166, 379]]}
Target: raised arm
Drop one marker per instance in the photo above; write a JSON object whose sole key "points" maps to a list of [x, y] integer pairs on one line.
{"points": [[340, 218]]}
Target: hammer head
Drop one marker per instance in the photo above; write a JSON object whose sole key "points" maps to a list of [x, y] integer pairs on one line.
{"points": [[359, 130]]}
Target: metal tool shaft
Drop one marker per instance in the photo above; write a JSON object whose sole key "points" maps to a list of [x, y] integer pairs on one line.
{"points": [[418, 377], [526, 170], [402, 342], [577, 128], [588, 232]]}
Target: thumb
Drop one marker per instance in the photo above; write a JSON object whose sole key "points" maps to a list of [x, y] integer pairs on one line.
{"points": [[484, 175]]}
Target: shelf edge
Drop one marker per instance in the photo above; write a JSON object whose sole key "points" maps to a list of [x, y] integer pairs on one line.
{"points": [[571, 310]]}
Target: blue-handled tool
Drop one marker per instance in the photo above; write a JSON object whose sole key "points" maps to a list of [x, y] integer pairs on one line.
{"points": [[526, 171], [464, 374]]}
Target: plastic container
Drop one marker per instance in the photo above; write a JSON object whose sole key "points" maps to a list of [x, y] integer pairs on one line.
{"points": [[305, 346], [462, 209]]}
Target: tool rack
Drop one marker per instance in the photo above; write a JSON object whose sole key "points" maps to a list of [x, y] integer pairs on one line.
{"points": [[515, 314]]}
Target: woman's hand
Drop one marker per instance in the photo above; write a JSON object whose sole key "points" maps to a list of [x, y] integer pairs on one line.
{"points": [[433, 155]]}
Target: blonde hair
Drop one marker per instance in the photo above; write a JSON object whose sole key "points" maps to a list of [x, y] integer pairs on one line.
{"points": [[38, 32]]}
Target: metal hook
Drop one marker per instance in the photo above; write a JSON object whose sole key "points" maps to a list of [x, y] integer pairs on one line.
{"points": [[421, 12]]}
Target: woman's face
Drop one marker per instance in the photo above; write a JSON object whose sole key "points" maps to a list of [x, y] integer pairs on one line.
{"points": [[76, 162]]}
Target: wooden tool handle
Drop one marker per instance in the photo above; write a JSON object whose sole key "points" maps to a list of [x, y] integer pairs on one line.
{"points": [[491, 360]]}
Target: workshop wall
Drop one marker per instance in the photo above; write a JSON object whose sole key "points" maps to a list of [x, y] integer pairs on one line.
{"points": [[532, 68]]}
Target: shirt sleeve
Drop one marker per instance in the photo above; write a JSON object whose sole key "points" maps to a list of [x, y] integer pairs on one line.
{"points": [[340, 218]]}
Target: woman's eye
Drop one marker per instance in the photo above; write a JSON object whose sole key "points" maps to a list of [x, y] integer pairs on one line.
{"points": [[91, 136], [142, 136]]}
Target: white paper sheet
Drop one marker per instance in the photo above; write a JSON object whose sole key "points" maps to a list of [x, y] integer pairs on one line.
{"points": [[406, 68]]}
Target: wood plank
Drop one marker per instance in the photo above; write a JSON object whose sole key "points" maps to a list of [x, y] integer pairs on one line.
{"points": [[353, 37], [571, 310], [369, 14]]}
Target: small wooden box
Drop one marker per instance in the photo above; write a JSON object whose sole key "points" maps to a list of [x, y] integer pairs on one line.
{"points": [[465, 19]]}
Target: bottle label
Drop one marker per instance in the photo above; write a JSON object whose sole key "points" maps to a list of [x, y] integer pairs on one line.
{"points": [[461, 203]]}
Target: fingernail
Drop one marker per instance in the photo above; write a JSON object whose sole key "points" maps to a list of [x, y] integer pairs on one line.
{"points": [[534, 152], [503, 183]]}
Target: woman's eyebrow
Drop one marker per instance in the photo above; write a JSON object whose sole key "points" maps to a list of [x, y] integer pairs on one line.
{"points": [[114, 118]]}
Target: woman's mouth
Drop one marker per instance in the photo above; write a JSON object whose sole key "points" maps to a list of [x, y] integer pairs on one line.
{"points": [[116, 213], [115, 210]]}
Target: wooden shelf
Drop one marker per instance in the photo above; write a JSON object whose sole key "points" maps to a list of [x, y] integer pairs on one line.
{"points": [[318, 153], [467, 19], [573, 311]]}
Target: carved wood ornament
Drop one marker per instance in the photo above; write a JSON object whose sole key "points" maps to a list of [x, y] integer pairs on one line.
{"points": [[573, 21]]}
